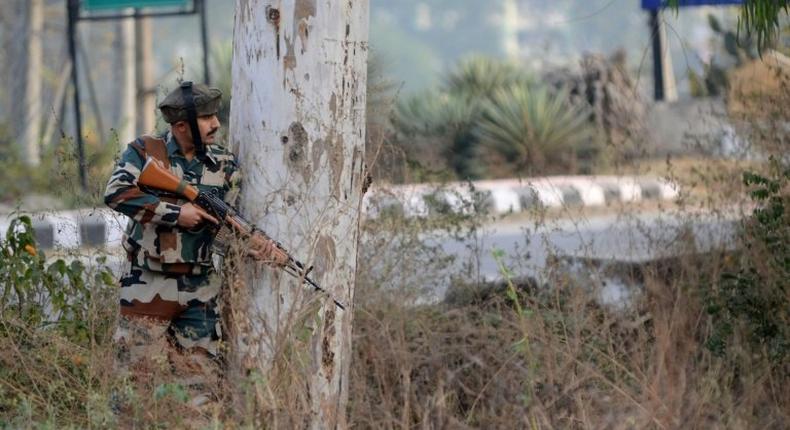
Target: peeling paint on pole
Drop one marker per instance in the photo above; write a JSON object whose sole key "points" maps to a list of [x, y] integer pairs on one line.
{"points": [[299, 78], [303, 11]]}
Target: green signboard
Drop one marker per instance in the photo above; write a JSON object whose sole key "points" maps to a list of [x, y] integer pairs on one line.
{"points": [[123, 4]]}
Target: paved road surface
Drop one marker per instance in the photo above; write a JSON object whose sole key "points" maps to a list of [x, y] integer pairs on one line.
{"points": [[634, 238]]}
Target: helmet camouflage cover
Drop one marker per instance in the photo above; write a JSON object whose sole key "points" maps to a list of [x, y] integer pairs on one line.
{"points": [[207, 102]]}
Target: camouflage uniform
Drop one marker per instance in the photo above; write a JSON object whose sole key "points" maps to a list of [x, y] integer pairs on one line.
{"points": [[169, 294]]}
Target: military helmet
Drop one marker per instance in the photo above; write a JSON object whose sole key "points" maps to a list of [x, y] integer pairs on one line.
{"points": [[175, 105]]}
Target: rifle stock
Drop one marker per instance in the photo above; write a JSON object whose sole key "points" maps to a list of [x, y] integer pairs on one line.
{"points": [[155, 175]]}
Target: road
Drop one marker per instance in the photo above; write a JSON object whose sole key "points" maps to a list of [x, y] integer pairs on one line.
{"points": [[528, 248], [604, 239]]}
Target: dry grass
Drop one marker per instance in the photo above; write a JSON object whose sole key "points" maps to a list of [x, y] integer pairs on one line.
{"points": [[557, 359], [509, 355], [539, 358], [533, 358]]}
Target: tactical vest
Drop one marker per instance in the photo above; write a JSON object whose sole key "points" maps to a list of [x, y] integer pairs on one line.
{"points": [[167, 249]]}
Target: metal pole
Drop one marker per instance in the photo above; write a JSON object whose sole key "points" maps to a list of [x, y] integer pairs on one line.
{"points": [[204, 38], [658, 61], [73, 10]]}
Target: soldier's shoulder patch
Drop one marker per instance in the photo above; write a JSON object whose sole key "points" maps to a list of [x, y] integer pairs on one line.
{"points": [[218, 149], [221, 153]]}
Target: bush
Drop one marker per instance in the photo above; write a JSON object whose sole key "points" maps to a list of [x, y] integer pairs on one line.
{"points": [[752, 299], [439, 126], [533, 131], [54, 318], [57, 173], [492, 119], [37, 293]]}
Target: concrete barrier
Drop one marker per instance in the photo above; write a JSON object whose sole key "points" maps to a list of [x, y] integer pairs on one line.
{"points": [[97, 227], [74, 229]]}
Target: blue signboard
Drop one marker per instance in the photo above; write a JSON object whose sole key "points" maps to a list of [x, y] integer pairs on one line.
{"points": [[658, 4], [122, 4]]}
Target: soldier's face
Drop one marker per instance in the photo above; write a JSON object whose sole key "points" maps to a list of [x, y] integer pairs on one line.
{"points": [[209, 126]]}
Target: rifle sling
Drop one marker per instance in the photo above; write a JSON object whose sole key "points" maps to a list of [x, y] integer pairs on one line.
{"points": [[153, 146]]}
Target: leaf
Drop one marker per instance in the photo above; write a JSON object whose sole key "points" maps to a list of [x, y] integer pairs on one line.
{"points": [[511, 294], [59, 267]]}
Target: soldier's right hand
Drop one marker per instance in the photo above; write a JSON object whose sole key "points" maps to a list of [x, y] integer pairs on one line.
{"points": [[191, 215]]}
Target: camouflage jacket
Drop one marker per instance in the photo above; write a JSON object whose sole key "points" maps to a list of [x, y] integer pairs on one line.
{"points": [[152, 238]]}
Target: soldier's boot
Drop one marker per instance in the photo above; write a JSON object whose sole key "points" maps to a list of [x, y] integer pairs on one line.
{"points": [[200, 374], [142, 347]]}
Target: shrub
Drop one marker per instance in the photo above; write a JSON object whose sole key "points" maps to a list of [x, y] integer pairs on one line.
{"points": [[534, 131], [491, 119], [439, 126], [752, 299], [37, 293], [57, 172]]}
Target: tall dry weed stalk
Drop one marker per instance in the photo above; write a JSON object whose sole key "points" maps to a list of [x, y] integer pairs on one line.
{"points": [[518, 353]]}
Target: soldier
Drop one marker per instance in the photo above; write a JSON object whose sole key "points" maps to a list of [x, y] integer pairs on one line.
{"points": [[168, 302]]}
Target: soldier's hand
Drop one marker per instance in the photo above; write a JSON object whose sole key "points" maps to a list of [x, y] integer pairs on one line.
{"points": [[191, 215], [266, 251]]}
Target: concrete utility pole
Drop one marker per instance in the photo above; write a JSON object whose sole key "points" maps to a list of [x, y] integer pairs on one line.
{"points": [[663, 74], [298, 126], [31, 135], [146, 91], [128, 111], [511, 25]]}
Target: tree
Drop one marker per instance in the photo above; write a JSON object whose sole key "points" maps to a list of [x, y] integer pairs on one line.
{"points": [[32, 104], [298, 127]]}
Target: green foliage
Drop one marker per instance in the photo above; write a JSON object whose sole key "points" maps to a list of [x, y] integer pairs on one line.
{"points": [[12, 174], [53, 315], [176, 391], [761, 19], [486, 105], [533, 130], [56, 175], [752, 301], [38, 294], [758, 19], [480, 77], [714, 81], [440, 127]]}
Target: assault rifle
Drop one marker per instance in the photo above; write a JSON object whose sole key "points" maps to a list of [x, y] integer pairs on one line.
{"points": [[154, 175]]}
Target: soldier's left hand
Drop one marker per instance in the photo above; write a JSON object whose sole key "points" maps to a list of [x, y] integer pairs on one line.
{"points": [[265, 250]]}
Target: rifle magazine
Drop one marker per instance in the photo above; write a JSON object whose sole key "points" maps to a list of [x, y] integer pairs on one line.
{"points": [[222, 240]]}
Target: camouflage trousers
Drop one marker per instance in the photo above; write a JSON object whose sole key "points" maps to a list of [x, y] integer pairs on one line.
{"points": [[170, 326], [188, 302]]}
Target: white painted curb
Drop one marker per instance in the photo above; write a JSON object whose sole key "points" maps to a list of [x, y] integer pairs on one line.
{"points": [[104, 227], [514, 195]]}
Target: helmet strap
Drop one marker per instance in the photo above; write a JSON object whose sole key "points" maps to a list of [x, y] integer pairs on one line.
{"points": [[189, 101]]}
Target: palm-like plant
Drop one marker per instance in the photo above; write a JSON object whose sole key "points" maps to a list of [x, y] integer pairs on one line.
{"points": [[533, 130], [437, 128], [481, 76], [447, 118]]}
